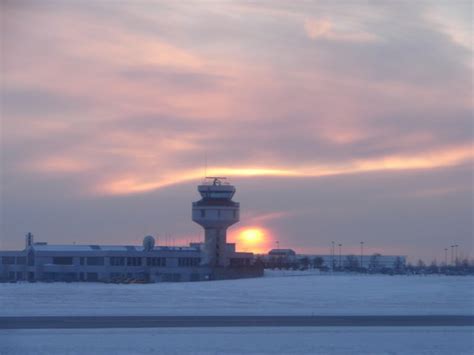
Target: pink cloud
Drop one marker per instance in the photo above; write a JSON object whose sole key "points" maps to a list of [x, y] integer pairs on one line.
{"points": [[326, 29]]}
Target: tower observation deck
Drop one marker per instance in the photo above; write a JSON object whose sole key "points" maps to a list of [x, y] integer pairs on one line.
{"points": [[215, 212]]}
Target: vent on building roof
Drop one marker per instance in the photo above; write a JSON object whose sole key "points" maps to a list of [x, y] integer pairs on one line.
{"points": [[148, 243]]}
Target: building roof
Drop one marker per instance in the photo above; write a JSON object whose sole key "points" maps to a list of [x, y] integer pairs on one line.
{"points": [[125, 248], [282, 252]]}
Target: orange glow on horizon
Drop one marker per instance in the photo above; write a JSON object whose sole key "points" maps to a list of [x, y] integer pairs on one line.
{"points": [[251, 239]]}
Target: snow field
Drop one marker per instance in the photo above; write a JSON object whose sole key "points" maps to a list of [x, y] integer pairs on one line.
{"points": [[306, 340], [276, 295]]}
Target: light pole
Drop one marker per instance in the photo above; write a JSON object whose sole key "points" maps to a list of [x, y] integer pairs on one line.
{"points": [[445, 256], [452, 254], [340, 257], [361, 254], [333, 251], [278, 244], [456, 254]]}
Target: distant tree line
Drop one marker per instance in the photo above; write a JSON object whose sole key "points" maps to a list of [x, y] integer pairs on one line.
{"points": [[351, 263], [460, 266]]}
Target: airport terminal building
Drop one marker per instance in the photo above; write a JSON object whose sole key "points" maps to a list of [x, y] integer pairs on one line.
{"points": [[210, 260], [335, 261], [116, 263]]}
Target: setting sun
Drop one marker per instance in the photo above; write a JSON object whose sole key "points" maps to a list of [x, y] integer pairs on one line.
{"points": [[253, 239], [252, 236]]}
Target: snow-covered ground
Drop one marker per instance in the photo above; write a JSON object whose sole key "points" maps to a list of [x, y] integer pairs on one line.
{"points": [[280, 293], [363, 340], [277, 295]]}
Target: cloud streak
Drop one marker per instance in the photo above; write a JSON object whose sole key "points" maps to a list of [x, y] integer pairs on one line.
{"points": [[430, 160], [324, 29]]}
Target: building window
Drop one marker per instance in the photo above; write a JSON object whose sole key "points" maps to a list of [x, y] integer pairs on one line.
{"points": [[8, 260], [92, 276], [203, 213], [81, 260], [134, 261], [117, 261], [189, 262], [62, 260], [95, 260], [21, 260], [156, 261]]}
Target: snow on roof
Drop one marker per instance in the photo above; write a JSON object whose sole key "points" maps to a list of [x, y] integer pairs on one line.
{"points": [[177, 248], [74, 247]]}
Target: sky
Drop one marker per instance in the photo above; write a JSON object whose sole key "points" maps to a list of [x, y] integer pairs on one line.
{"points": [[336, 121]]}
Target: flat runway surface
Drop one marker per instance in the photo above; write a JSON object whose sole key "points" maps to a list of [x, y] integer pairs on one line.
{"points": [[83, 322]]}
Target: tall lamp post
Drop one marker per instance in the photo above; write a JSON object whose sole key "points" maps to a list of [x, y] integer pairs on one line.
{"points": [[333, 252], [445, 256], [340, 256], [456, 254], [452, 254], [361, 254]]}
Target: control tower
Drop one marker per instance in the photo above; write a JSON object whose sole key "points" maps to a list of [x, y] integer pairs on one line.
{"points": [[215, 212]]}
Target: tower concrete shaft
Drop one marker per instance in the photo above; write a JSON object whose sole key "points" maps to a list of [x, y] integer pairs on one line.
{"points": [[215, 212]]}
